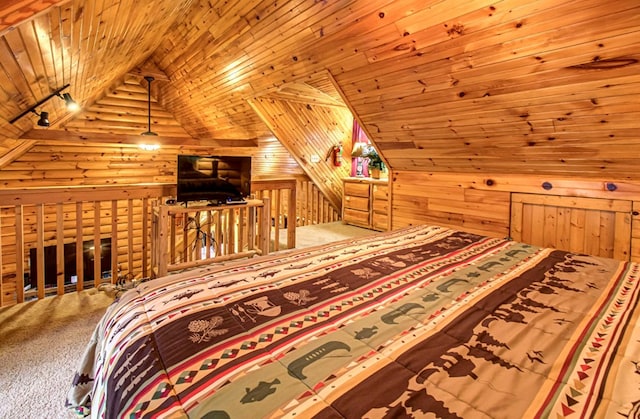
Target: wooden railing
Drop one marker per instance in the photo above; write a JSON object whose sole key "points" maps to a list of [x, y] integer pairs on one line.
{"points": [[313, 208], [185, 238], [57, 223], [68, 224], [281, 194], [297, 200]]}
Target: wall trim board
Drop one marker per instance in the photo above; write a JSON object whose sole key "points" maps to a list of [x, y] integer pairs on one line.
{"points": [[53, 194], [609, 188]]}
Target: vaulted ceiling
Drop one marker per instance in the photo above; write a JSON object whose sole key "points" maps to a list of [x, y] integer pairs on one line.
{"points": [[545, 86]]}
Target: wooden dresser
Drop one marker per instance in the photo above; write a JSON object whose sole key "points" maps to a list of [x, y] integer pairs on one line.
{"points": [[365, 203]]}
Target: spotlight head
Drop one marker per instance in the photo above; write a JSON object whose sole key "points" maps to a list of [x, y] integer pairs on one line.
{"points": [[71, 104], [44, 119]]}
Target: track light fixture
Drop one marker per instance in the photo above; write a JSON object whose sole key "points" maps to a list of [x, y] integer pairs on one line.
{"points": [[44, 116], [71, 104]]}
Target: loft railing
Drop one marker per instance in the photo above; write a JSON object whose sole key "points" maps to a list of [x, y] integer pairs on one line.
{"points": [[55, 231], [185, 238], [297, 200], [59, 223], [313, 208]]}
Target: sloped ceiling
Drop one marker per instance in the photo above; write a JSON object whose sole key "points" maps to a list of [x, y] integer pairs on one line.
{"points": [[296, 125], [544, 86]]}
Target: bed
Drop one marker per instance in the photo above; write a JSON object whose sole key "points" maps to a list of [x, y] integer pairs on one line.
{"points": [[420, 322]]}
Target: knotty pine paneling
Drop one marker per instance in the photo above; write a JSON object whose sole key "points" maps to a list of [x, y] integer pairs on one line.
{"points": [[481, 203], [64, 164], [466, 96], [85, 44], [423, 198], [306, 130], [450, 86], [53, 163], [124, 110], [273, 161], [595, 226]]}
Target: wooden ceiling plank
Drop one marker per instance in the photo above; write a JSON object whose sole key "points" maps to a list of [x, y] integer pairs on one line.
{"points": [[26, 59], [15, 75], [13, 14], [157, 74], [445, 74], [550, 96], [287, 36], [438, 44]]}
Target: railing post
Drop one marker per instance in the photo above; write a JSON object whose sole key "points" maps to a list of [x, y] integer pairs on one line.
{"points": [[19, 254], [79, 249], [162, 240], [60, 248], [292, 217], [97, 245], [114, 241], [265, 226], [40, 249]]}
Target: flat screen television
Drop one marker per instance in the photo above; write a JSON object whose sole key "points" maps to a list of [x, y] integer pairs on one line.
{"points": [[70, 274], [217, 179]]}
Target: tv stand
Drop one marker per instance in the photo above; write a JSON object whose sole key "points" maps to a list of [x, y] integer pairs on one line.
{"points": [[228, 201]]}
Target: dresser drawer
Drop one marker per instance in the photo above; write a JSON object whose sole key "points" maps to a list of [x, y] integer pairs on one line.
{"points": [[356, 202], [380, 221], [380, 192], [355, 217], [356, 189], [381, 206]]}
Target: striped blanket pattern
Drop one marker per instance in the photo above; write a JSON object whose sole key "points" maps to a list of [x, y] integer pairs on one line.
{"points": [[423, 320]]}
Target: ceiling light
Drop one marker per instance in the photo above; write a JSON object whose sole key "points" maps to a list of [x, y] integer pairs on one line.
{"points": [[71, 104], [149, 147], [44, 118]]}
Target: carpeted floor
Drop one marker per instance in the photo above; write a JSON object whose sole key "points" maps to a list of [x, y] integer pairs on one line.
{"points": [[42, 341], [40, 345]]}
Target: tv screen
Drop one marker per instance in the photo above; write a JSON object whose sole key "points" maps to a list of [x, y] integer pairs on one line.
{"points": [[70, 274], [216, 179]]}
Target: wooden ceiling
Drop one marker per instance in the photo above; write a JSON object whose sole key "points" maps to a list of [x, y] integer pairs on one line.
{"points": [[528, 86]]}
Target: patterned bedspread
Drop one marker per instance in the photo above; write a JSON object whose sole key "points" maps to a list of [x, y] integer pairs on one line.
{"points": [[424, 321]]}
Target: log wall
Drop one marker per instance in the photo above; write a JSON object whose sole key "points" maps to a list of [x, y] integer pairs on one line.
{"points": [[42, 185]]}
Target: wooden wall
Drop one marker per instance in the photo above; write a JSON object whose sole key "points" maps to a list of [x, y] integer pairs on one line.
{"points": [[71, 164], [272, 160], [482, 203], [310, 131], [67, 163]]}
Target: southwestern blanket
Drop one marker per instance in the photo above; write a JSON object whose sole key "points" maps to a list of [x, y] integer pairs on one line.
{"points": [[421, 322]]}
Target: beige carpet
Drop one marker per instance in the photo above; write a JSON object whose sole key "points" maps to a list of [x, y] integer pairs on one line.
{"points": [[41, 342], [323, 233]]}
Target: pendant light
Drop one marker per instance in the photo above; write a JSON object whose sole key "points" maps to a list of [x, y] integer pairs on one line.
{"points": [[149, 79]]}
